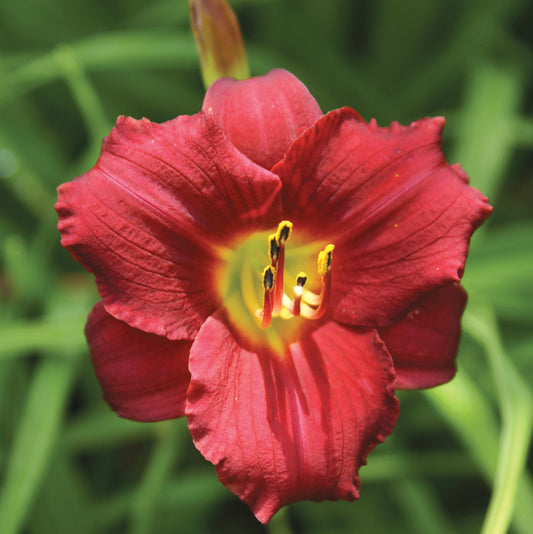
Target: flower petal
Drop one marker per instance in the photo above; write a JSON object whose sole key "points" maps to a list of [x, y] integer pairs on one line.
{"points": [[262, 116], [145, 220], [424, 344], [281, 428], [144, 377], [399, 216]]}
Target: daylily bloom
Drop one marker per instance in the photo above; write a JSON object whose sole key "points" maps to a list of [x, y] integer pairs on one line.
{"points": [[274, 274]]}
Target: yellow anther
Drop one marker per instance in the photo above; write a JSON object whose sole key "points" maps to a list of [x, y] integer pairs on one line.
{"points": [[324, 259], [283, 232]]}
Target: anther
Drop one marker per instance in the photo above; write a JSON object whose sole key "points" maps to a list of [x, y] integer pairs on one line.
{"points": [[284, 231], [282, 234], [273, 249], [324, 260], [268, 278], [268, 284], [301, 279]]}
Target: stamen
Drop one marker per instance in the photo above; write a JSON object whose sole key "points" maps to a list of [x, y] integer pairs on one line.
{"points": [[282, 234], [324, 261], [298, 290], [304, 303], [284, 231], [268, 283], [268, 278]]}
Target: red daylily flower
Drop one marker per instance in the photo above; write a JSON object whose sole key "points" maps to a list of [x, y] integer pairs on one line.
{"points": [[196, 228]]}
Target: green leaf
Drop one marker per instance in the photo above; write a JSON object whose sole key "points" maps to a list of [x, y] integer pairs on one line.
{"points": [[34, 440], [21, 337], [499, 271], [465, 409], [516, 406], [144, 504], [420, 504], [102, 429], [62, 507], [486, 136], [86, 98], [114, 51], [499, 455]]}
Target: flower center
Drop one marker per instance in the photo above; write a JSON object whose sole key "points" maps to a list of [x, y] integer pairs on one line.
{"points": [[256, 300]]}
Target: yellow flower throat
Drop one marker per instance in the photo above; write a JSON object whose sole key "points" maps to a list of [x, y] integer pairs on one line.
{"points": [[255, 296]]}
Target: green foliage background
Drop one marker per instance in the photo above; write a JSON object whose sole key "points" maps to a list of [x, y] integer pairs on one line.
{"points": [[455, 463]]}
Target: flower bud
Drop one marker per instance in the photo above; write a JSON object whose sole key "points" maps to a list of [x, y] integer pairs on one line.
{"points": [[218, 40]]}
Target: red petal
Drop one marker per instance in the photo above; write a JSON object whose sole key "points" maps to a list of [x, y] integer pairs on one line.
{"points": [[146, 217], [282, 428], [262, 116], [144, 376], [424, 344], [399, 216]]}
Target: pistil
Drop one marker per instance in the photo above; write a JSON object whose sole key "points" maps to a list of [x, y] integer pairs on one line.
{"points": [[298, 291]]}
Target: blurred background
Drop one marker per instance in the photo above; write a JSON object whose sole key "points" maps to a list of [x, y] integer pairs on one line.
{"points": [[457, 461]]}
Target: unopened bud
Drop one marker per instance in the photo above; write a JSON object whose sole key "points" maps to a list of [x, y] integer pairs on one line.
{"points": [[218, 40]]}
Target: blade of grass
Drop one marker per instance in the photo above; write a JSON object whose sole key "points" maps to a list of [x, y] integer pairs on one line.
{"points": [[279, 524], [86, 98], [27, 187], [114, 51], [523, 128], [34, 440], [190, 493], [486, 135], [21, 337], [500, 271], [13, 386], [418, 502], [463, 406], [103, 429], [144, 505], [516, 406], [473, 32], [469, 414], [62, 507], [399, 465]]}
